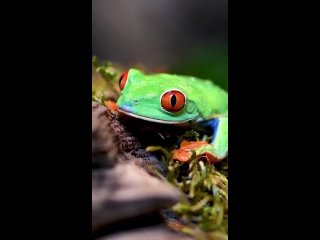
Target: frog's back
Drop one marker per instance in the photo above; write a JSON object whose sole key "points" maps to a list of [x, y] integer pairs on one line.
{"points": [[208, 97]]}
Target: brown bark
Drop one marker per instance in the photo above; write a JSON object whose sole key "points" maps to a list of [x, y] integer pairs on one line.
{"points": [[122, 189]]}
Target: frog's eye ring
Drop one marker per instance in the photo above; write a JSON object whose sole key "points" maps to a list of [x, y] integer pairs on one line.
{"points": [[123, 80], [173, 101]]}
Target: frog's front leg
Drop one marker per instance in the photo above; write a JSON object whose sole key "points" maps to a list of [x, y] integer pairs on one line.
{"points": [[219, 138], [215, 150]]}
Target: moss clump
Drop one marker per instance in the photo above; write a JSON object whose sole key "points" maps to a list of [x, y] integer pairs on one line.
{"points": [[206, 203], [104, 81]]}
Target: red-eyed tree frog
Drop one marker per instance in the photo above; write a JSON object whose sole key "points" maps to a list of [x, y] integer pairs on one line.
{"points": [[180, 100]]}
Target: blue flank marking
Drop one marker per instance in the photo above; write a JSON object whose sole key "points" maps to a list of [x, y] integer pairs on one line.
{"points": [[127, 107], [213, 123]]}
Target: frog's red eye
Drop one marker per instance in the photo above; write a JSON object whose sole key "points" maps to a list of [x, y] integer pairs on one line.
{"points": [[123, 80], [173, 101]]}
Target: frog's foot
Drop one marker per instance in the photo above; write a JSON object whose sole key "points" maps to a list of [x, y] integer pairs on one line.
{"points": [[219, 139], [202, 149], [215, 150], [111, 105]]}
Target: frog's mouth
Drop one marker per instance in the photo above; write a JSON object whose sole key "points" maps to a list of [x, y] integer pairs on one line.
{"points": [[121, 110]]}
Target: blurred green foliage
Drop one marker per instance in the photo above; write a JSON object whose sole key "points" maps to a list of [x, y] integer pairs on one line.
{"points": [[208, 62]]}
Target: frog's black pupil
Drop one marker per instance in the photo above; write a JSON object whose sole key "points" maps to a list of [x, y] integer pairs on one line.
{"points": [[173, 100], [120, 79]]}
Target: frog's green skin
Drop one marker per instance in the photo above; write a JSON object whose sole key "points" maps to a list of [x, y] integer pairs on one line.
{"points": [[206, 103]]}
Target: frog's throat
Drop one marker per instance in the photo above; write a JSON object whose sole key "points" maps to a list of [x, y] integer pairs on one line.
{"points": [[151, 119]]}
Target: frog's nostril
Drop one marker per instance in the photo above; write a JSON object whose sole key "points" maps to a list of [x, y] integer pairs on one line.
{"points": [[135, 101]]}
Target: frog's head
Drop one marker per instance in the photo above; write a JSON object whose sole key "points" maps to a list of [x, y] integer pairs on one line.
{"points": [[158, 98]]}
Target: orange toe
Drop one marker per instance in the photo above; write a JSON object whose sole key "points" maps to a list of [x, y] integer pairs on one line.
{"points": [[111, 105], [184, 153]]}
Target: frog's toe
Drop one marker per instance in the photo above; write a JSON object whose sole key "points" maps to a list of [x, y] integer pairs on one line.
{"points": [[202, 149]]}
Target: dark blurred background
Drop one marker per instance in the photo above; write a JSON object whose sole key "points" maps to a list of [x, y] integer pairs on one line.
{"points": [[183, 36]]}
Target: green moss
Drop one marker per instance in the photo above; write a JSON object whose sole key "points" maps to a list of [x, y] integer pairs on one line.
{"points": [[206, 202], [105, 69], [104, 82]]}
